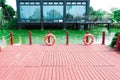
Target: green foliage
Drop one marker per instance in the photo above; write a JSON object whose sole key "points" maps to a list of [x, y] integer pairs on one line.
{"points": [[117, 15], [97, 14], [8, 12], [113, 43], [8, 15], [12, 24], [2, 3], [117, 33]]}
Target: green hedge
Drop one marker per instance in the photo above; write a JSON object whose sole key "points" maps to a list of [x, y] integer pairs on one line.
{"points": [[12, 24], [113, 43]]}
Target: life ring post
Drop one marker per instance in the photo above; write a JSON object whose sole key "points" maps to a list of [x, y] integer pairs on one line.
{"points": [[87, 37], [0, 48], [48, 37], [103, 38], [30, 37], [11, 38], [53, 41], [118, 42], [67, 38], [85, 41]]}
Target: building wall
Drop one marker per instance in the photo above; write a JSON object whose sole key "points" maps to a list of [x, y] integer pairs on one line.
{"points": [[47, 12]]}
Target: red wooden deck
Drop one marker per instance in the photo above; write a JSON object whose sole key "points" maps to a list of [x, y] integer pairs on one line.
{"points": [[59, 62]]}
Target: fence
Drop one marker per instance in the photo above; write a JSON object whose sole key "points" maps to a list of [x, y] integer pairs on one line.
{"points": [[66, 38], [11, 37]]}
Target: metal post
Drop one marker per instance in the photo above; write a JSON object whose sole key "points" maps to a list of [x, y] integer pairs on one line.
{"points": [[118, 42], [103, 38], [87, 37], [48, 37], [67, 38], [30, 37], [11, 38]]}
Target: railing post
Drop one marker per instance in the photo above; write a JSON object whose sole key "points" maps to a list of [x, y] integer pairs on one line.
{"points": [[11, 38], [87, 37], [0, 48], [103, 38], [67, 38], [48, 37], [118, 42], [30, 37]]}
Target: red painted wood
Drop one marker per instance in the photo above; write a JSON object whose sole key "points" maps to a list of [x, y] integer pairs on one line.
{"points": [[87, 37], [48, 37], [0, 48], [30, 37], [67, 38], [59, 62], [103, 38], [11, 38], [118, 42]]}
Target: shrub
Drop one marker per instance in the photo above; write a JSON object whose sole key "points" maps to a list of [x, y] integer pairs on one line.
{"points": [[12, 24], [113, 43]]}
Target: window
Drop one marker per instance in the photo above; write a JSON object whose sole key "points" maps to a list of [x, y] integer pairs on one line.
{"points": [[84, 3], [30, 12], [32, 3], [53, 13], [73, 2], [79, 3], [75, 12], [21, 3], [50, 2], [68, 2], [60, 2], [45, 3], [55, 3], [26, 3], [38, 3]]}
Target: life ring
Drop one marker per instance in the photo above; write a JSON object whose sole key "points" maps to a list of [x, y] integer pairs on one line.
{"points": [[49, 36], [85, 39]]}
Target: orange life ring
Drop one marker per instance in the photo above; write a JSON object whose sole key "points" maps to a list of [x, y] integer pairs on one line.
{"points": [[85, 39], [49, 36]]}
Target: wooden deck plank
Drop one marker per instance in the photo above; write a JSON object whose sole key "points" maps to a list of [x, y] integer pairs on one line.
{"points": [[59, 62]]}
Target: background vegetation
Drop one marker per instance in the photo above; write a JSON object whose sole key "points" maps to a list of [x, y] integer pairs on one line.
{"points": [[8, 18]]}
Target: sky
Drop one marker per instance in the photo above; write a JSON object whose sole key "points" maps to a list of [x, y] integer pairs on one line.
{"points": [[96, 4]]}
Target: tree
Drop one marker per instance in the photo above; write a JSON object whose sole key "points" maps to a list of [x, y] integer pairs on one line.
{"points": [[117, 15], [2, 3], [114, 9], [7, 10], [97, 14], [112, 14], [8, 13]]}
